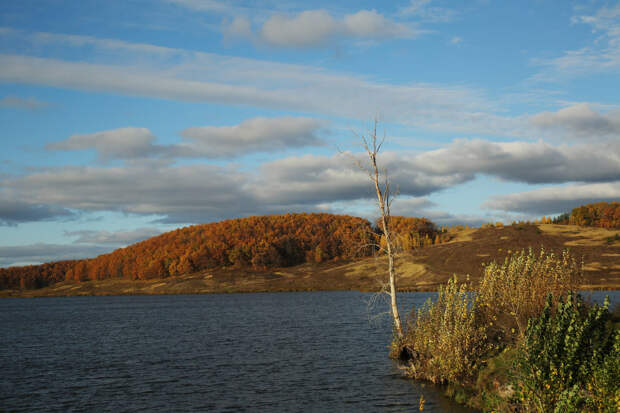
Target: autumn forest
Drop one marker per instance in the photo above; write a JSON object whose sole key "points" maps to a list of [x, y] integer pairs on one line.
{"points": [[259, 242]]}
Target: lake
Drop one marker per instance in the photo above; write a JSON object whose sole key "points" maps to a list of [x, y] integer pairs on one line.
{"points": [[315, 351]]}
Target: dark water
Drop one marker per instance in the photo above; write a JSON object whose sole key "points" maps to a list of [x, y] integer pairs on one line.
{"points": [[236, 352]]}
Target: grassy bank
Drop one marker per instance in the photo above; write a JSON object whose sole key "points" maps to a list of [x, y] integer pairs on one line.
{"points": [[518, 339]]}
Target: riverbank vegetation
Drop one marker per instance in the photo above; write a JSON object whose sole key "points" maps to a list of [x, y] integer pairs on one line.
{"points": [[519, 340]]}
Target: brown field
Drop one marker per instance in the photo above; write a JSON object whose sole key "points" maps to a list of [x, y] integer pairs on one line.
{"points": [[422, 270]]}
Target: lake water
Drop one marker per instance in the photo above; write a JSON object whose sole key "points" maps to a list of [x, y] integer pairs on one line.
{"points": [[320, 351]]}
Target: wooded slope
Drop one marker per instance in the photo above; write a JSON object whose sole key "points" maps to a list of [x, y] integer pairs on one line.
{"points": [[256, 242]]}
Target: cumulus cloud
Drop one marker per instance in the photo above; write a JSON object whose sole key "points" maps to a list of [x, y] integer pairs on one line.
{"points": [[123, 143], [370, 24], [529, 162], [312, 28], [200, 192], [308, 28], [580, 121], [16, 102], [252, 135], [556, 200], [39, 253], [315, 179], [114, 238]]}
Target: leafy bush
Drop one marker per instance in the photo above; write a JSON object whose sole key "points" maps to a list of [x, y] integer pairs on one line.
{"points": [[570, 359], [511, 293], [521, 342], [445, 336]]}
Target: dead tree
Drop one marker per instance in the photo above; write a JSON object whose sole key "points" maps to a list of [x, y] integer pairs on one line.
{"points": [[382, 186]]}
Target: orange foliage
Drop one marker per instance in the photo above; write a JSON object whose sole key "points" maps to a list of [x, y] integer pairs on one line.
{"points": [[256, 242], [601, 214], [34, 276], [412, 232]]}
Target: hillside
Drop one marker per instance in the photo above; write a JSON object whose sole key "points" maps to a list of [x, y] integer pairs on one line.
{"points": [[422, 269], [256, 242]]}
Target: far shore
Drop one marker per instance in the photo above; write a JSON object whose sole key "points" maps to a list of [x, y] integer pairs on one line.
{"points": [[423, 269]]}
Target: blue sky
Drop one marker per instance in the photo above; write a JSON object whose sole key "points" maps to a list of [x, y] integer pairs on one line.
{"points": [[124, 119]]}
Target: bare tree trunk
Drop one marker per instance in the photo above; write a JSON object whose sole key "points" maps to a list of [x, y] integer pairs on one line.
{"points": [[384, 200]]}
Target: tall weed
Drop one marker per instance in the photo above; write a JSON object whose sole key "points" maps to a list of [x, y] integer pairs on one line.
{"points": [[511, 293], [445, 336]]}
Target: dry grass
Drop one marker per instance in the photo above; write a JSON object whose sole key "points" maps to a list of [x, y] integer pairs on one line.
{"points": [[581, 236]]}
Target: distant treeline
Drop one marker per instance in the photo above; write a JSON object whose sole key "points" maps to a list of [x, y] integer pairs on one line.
{"points": [[35, 276], [413, 232], [256, 242], [600, 214]]}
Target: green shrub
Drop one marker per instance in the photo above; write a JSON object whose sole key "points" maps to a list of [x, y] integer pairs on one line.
{"points": [[511, 293], [569, 360], [445, 336]]}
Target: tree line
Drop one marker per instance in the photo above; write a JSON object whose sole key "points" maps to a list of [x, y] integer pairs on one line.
{"points": [[258, 242], [600, 214]]}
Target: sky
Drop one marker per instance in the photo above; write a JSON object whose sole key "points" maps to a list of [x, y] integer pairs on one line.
{"points": [[123, 119]]}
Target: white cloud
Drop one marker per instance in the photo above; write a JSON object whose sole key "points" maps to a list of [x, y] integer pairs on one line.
{"points": [[312, 28], [370, 24], [204, 191], [308, 28], [219, 79], [252, 135], [312, 179], [124, 143], [79, 41], [530, 162], [556, 200], [201, 193], [580, 121]]}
